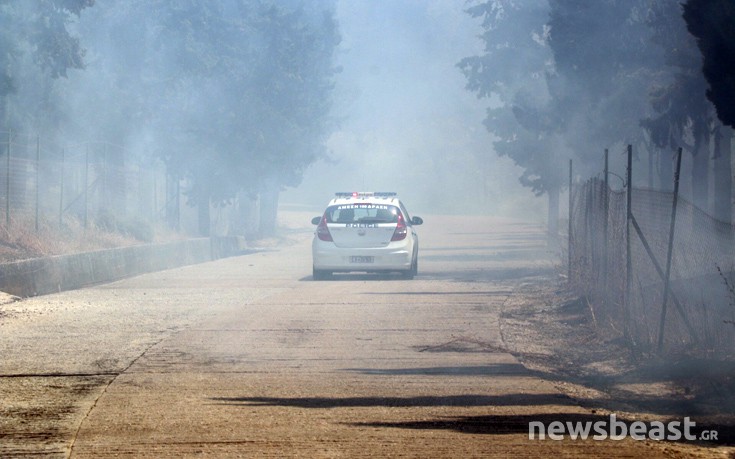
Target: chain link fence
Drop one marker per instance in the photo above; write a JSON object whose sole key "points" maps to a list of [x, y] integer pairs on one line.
{"points": [[618, 261], [95, 183]]}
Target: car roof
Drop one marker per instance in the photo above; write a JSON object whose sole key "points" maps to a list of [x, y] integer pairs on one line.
{"points": [[365, 197]]}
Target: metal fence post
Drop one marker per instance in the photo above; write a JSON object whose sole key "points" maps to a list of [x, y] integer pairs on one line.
{"points": [[589, 245], [61, 190], [569, 229], [155, 195], [669, 253], [106, 201], [628, 261], [178, 204], [606, 217], [38, 176], [86, 187], [7, 181]]}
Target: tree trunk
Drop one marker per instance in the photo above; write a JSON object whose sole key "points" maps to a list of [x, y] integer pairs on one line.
{"points": [[553, 215], [113, 181], [700, 174], [268, 210], [723, 174], [246, 216], [732, 175], [204, 217], [666, 170]]}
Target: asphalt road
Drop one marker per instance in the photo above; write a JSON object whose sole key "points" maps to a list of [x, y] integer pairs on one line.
{"points": [[248, 357]]}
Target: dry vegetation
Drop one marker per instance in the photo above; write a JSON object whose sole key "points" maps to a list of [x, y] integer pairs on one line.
{"points": [[553, 332], [20, 240]]}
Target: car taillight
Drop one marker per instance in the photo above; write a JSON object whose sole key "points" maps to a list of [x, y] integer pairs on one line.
{"points": [[322, 231], [401, 230]]}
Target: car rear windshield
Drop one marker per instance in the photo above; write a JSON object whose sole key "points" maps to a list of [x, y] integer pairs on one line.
{"points": [[362, 213]]}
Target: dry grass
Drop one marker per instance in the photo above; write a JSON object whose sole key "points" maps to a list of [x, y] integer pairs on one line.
{"points": [[20, 240]]}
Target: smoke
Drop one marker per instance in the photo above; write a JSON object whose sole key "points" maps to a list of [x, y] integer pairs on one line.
{"points": [[407, 123], [404, 119]]}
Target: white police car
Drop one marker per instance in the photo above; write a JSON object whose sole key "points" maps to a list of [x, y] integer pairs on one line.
{"points": [[365, 232]]}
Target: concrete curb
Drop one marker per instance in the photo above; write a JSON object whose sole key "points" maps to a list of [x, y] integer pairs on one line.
{"points": [[39, 276]]}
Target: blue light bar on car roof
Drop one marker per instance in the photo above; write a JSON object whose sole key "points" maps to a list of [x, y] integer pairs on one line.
{"points": [[366, 194]]}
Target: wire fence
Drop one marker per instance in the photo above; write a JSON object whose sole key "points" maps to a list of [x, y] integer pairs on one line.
{"points": [[620, 255], [94, 182]]}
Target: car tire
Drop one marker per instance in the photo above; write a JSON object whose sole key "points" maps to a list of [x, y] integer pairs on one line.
{"points": [[318, 274], [411, 273]]}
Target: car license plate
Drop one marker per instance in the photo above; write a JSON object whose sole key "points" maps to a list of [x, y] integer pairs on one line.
{"points": [[357, 259]]}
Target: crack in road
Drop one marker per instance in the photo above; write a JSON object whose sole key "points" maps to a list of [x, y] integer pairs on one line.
{"points": [[103, 392]]}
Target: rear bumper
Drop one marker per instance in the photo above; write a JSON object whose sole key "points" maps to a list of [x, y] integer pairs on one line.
{"points": [[328, 257]]}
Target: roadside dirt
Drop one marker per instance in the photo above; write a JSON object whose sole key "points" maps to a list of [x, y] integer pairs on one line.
{"points": [[553, 333]]}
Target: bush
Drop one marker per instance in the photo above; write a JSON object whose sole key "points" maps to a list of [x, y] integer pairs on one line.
{"points": [[134, 227]]}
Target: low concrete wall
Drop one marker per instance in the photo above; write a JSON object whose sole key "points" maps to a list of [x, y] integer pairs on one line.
{"points": [[40, 276]]}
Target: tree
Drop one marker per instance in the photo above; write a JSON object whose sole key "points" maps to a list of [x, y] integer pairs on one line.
{"points": [[711, 22], [293, 100], [233, 94], [603, 68], [682, 111], [37, 49], [513, 75], [572, 76]]}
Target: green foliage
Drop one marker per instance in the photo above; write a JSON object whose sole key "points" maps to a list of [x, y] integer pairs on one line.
{"points": [[677, 99], [571, 77], [712, 22], [512, 73], [234, 94], [231, 94], [605, 62], [515, 55], [38, 32]]}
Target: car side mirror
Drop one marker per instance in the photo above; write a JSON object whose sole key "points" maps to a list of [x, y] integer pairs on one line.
{"points": [[316, 220], [417, 220]]}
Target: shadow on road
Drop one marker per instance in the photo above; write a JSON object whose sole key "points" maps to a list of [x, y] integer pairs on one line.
{"points": [[501, 369], [342, 277], [519, 424], [456, 275], [490, 424], [449, 400], [493, 424], [450, 293]]}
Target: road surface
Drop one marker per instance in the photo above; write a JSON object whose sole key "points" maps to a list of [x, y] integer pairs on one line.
{"points": [[248, 357]]}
